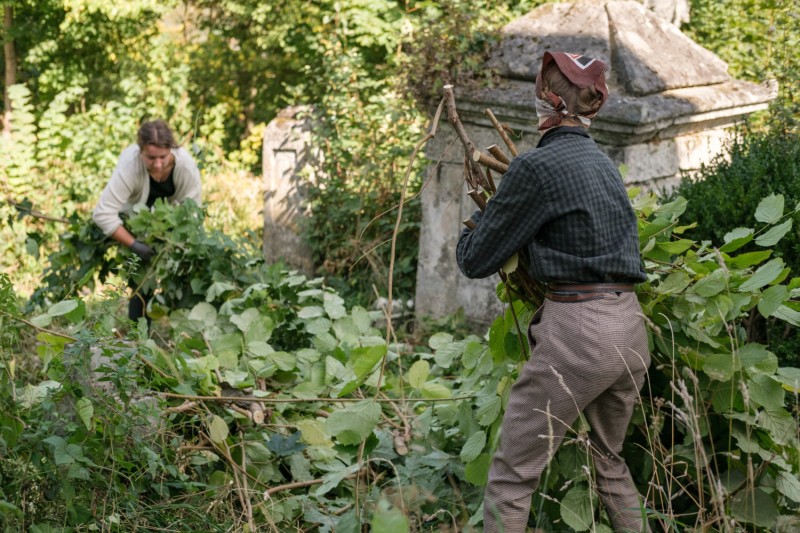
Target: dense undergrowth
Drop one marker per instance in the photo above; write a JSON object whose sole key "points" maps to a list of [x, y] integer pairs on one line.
{"points": [[115, 429], [757, 164]]}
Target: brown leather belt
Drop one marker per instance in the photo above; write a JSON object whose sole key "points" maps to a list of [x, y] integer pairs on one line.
{"points": [[580, 292]]}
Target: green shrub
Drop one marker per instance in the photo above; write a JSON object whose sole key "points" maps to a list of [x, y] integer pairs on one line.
{"points": [[725, 196]]}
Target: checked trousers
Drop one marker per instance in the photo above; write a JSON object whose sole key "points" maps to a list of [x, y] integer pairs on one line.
{"points": [[589, 357]]}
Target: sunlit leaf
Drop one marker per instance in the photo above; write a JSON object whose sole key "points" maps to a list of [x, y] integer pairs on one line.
{"points": [[418, 374], [217, 429], [770, 209], [354, 423], [388, 519], [735, 239], [85, 410], [576, 508]]}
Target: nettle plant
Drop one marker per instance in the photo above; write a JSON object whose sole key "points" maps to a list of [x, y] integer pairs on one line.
{"points": [[289, 410]]}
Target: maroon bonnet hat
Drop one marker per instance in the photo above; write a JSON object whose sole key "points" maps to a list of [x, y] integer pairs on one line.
{"points": [[583, 72]]}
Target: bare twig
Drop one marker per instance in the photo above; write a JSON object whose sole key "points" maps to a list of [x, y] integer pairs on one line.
{"points": [[501, 130], [296, 400], [431, 134], [34, 213]]}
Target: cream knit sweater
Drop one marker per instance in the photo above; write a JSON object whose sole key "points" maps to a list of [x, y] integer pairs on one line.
{"points": [[129, 185]]}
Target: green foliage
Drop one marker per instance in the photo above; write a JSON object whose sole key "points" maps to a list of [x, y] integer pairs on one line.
{"points": [[410, 429], [727, 194], [759, 41]]}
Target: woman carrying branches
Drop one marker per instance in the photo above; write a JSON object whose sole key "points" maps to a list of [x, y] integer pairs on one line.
{"points": [[155, 167], [564, 203]]}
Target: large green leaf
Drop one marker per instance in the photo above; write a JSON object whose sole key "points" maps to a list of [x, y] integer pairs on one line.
{"points": [[764, 391], [765, 275], [473, 447], [790, 377], [388, 519], [334, 305], [721, 366], [674, 283], [204, 313], [789, 486], [749, 259], [754, 506], [735, 239], [259, 329], [487, 413], [477, 472], [440, 340], [331, 480], [774, 234], [62, 308], [788, 314], [227, 348], [757, 359], [363, 360], [771, 299], [435, 390], [354, 423], [85, 410], [675, 247], [217, 429], [770, 209], [418, 374], [576, 509], [711, 284]]}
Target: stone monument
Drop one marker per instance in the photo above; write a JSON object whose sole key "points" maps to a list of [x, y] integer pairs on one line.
{"points": [[670, 107], [286, 168]]}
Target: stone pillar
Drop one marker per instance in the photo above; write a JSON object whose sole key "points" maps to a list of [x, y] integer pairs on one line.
{"points": [[286, 167]]}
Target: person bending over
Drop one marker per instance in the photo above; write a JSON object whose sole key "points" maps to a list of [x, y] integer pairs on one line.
{"points": [[155, 167]]}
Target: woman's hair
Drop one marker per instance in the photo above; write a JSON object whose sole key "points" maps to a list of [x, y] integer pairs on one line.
{"points": [[156, 133], [578, 101]]}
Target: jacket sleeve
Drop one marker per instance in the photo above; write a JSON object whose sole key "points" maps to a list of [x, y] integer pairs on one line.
{"points": [[510, 222], [117, 195]]}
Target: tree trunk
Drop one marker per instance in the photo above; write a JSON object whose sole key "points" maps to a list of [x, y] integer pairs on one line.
{"points": [[10, 55]]}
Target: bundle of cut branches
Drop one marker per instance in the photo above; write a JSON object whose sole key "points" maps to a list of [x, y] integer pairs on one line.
{"points": [[478, 168]]}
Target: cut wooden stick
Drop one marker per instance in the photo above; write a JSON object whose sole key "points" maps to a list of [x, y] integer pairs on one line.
{"points": [[478, 198], [498, 154], [489, 161], [502, 132], [492, 186], [258, 413], [469, 223]]}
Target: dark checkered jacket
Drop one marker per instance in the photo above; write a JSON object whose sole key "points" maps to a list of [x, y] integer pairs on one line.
{"points": [[563, 202]]}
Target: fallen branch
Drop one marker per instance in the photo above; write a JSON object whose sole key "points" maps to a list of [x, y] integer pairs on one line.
{"points": [[300, 400]]}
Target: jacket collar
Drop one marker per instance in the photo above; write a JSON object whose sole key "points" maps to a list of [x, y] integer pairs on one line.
{"points": [[553, 134]]}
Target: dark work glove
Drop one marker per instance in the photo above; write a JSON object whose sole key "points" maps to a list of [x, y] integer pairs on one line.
{"points": [[142, 250]]}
